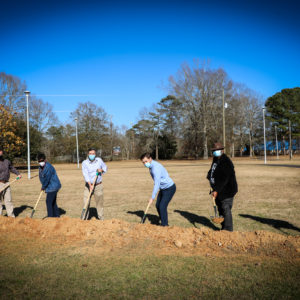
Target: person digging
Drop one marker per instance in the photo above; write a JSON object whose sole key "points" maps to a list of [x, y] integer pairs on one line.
{"points": [[50, 184], [223, 183], [163, 185], [92, 169], [5, 195]]}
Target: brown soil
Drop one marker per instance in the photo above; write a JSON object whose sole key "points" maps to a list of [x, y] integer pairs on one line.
{"points": [[112, 237]]}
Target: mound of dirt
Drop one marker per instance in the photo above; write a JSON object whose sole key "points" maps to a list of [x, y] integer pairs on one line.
{"points": [[116, 236]]}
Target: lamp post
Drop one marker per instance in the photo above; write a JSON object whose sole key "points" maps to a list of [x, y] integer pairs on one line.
{"points": [[276, 142], [265, 146], [28, 137], [77, 143], [290, 140]]}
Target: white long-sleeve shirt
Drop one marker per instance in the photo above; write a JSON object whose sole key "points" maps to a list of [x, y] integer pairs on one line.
{"points": [[89, 169]]}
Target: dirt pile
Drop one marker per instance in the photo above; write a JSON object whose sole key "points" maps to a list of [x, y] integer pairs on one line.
{"points": [[120, 237]]}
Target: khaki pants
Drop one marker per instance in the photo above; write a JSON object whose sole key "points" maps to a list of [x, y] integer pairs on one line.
{"points": [[5, 197], [99, 199]]}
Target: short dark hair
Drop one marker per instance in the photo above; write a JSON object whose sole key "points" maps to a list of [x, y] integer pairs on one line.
{"points": [[41, 156], [147, 154], [92, 149]]}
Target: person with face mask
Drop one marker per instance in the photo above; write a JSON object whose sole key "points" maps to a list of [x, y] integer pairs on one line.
{"points": [[223, 183], [162, 183], [50, 184], [94, 167], [5, 196]]}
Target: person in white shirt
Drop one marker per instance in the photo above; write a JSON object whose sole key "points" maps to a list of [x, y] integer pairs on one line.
{"points": [[90, 167]]}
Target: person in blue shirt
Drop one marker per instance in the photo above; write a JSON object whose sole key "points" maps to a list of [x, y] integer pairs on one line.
{"points": [[162, 183], [50, 184]]}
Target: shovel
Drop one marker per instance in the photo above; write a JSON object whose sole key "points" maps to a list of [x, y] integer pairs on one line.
{"points": [[37, 202], [144, 217], [89, 199], [216, 219], [8, 184]]}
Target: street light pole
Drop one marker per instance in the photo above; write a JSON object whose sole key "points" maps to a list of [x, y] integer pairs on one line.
{"points": [[77, 143], [265, 146], [290, 140], [28, 137], [224, 139], [276, 142]]}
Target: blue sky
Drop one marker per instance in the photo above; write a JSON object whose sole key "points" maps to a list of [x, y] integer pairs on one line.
{"points": [[120, 54]]}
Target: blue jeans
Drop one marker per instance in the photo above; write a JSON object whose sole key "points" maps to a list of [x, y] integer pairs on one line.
{"points": [[162, 202], [52, 208]]}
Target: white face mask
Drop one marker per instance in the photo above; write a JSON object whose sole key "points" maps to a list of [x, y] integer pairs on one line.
{"points": [[42, 163]]}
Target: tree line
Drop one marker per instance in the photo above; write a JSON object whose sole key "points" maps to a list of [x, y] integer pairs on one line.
{"points": [[184, 124]]}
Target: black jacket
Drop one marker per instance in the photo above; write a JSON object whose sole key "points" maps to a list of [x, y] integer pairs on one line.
{"points": [[222, 177]]}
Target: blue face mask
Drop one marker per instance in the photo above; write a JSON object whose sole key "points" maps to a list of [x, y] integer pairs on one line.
{"points": [[147, 165], [92, 157], [217, 153]]}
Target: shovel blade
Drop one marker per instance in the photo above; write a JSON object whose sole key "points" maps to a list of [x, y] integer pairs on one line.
{"points": [[32, 213], [217, 220], [83, 214]]}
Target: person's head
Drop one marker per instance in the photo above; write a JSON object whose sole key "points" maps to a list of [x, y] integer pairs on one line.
{"points": [[41, 157], [217, 150], [92, 154], [1, 153], [146, 159]]}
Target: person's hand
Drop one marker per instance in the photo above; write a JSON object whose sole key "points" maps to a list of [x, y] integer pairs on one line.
{"points": [[214, 194], [42, 189], [100, 171], [19, 176], [151, 200], [90, 186]]}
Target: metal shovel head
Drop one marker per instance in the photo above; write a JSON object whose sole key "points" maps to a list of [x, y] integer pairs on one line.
{"points": [[217, 220]]}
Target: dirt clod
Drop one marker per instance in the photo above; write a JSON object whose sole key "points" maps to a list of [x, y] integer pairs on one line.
{"points": [[178, 244]]}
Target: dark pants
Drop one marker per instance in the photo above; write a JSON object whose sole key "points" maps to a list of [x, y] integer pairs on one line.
{"points": [[52, 208], [162, 202], [224, 208]]}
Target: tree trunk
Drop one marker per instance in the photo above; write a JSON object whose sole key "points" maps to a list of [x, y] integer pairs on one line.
{"points": [[250, 140], [156, 151], [205, 149]]}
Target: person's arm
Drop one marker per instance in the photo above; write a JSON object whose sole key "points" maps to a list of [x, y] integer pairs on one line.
{"points": [[85, 173], [47, 177], [103, 167], [156, 178], [13, 169]]}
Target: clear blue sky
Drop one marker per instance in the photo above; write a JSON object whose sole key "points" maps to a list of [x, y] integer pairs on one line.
{"points": [[118, 53]]}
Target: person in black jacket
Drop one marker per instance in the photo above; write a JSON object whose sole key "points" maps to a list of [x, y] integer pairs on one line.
{"points": [[222, 180]]}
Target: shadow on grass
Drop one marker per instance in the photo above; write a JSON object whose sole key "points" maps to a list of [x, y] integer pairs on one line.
{"points": [[61, 211], [20, 209], [153, 219], [93, 213], [193, 218], [277, 224]]}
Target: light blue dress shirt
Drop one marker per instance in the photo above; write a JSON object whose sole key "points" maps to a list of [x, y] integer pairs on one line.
{"points": [[89, 169], [161, 178]]}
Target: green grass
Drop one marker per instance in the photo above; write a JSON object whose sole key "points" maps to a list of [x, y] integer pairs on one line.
{"points": [[59, 276]]}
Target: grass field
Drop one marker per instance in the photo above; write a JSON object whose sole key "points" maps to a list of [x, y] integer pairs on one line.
{"points": [[268, 196], [43, 260]]}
